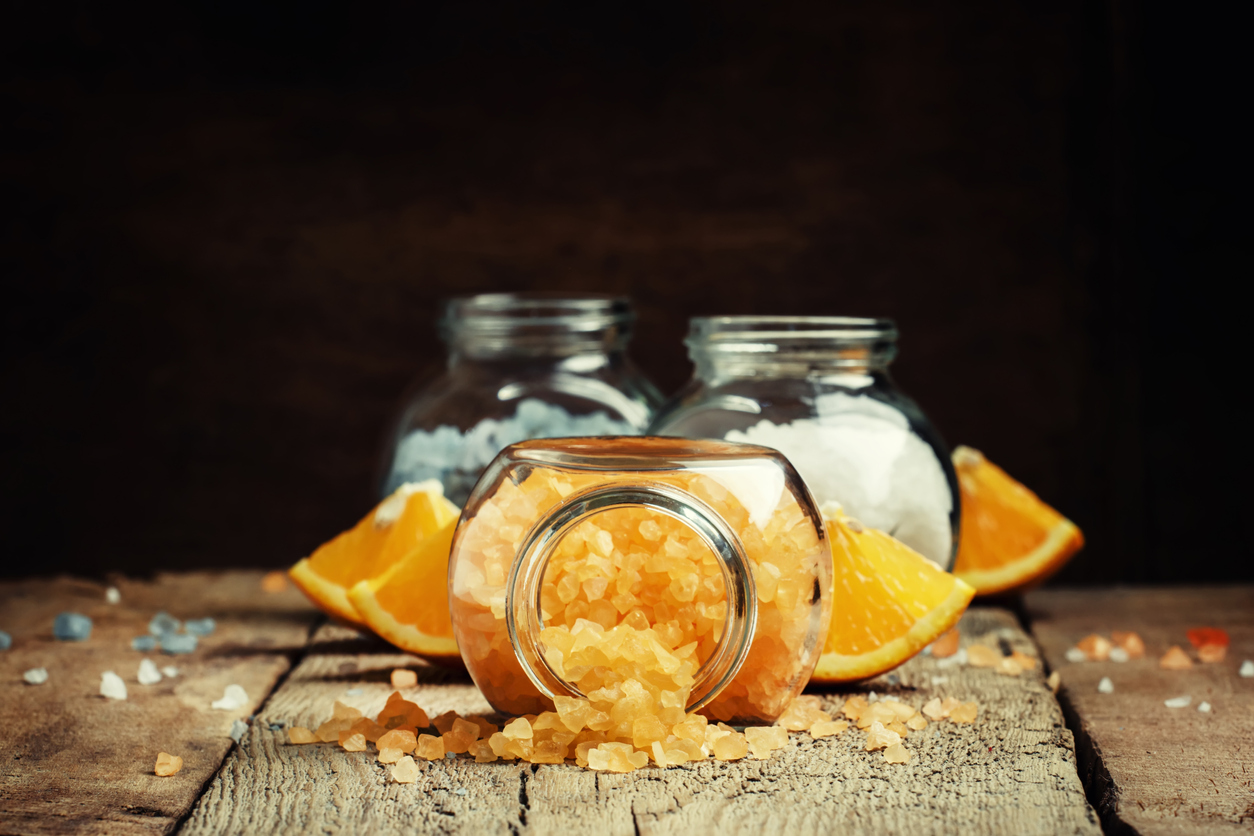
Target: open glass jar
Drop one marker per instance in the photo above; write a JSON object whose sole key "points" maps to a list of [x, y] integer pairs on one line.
{"points": [[520, 366], [817, 389], [694, 575]]}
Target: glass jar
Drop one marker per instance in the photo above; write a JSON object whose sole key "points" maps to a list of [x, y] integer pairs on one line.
{"points": [[817, 389], [520, 366], [698, 568]]}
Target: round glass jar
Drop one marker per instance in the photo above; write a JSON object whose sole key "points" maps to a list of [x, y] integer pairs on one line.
{"points": [[818, 390], [520, 366], [699, 570]]}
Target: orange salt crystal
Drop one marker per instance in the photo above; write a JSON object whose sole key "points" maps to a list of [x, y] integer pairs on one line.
{"points": [[916, 723], [1130, 642], [1008, 667], [486, 727], [827, 728], [340, 711], [731, 747], [368, 729], [802, 713], [1175, 659], [445, 721], [548, 751], [982, 656], [933, 709], [353, 741], [949, 704], [329, 732], [390, 754], [1201, 636], [1054, 681], [1024, 661], [964, 713], [459, 738], [401, 713], [300, 734], [854, 706], [518, 729], [899, 727], [482, 752], [765, 739], [897, 753], [499, 744], [402, 739], [405, 771], [1212, 652], [1095, 647], [430, 747], [404, 678], [946, 645], [167, 764], [878, 737], [274, 582]]}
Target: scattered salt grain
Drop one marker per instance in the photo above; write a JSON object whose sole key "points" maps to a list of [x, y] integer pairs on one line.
{"points": [[354, 692], [148, 673], [1247, 669], [167, 764], [170, 671], [6, 641], [1076, 655], [274, 581], [177, 644], [232, 698], [72, 627], [1178, 702], [144, 643], [404, 678], [459, 791], [112, 596], [1105, 686], [238, 729], [112, 686], [1054, 681], [1203, 707], [405, 771], [36, 676], [200, 626], [957, 660], [163, 623], [1118, 654]]}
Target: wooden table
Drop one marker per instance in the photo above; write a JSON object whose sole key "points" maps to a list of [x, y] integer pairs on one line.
{"points": [[76, 762]]}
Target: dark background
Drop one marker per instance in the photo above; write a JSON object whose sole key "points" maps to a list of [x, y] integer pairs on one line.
{"points": [[225, 229]]}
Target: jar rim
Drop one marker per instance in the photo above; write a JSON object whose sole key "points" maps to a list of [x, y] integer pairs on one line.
{"points": [[499, 312], [745, 332]]}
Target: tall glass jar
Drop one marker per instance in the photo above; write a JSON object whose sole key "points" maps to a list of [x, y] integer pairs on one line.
{"points": [[690, 575], [818, 390], [520, 366]]}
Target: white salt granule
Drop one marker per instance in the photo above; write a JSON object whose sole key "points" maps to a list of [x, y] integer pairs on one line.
{"points": [[1247, 669], [1118, 654], [1075, 654], [36, 676], [1203, 707], [112, 686], [112, 596], [232, 698], [1105, 686], [1178, 702], [170, 671], [238, 729], [148, 673], [863, 454]]}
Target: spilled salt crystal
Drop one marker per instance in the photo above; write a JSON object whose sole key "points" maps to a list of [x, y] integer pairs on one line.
{"points": [[354, 692], [1247, 669], [404, 678], [1178, 702], [72, 627], [144, 643], [1118, 654], [1076, 655], [405, 771], [1054, 681], [167, 764], [174, 643], [6, 641], [238, 729], [170, 671], [1105, 686], [1203, 707], [112, 686], [163, 623], [232, 698], [200, 626], [148, 673], [36, 676], [112, 596]]}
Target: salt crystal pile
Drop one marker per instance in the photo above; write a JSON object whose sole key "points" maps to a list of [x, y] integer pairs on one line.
{"points": [[200, 626], [36, 676], [72, 627], [112, 596], [6, 641], [862, 453], [456, 459], [112, 686], [232, 698], [148, 673]]}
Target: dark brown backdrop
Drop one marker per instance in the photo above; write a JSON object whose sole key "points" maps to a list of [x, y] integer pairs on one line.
{"points": [[226, 232]]}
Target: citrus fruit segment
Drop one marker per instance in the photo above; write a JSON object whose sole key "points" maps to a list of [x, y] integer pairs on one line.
{"points": [[413, 512], [888, 602], [408, 603], [1010, 539]]}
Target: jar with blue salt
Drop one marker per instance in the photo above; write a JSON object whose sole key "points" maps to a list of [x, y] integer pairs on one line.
{"points": [[520, 366]]}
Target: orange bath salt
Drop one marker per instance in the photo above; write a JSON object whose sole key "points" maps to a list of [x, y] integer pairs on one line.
{"points": [[1175, 659], [390, 754], [933, 709], [803, 713], [402, 739], [946, 645], [1212, 652], [916, 723], [167, 764], [353, 741], [731, 747], [879, 737], [1008, 667], [827, 728], [982, 656], [1130, 642], [964, 713], [899, 727], [482, 752], [300, 734], [368, 729], [399, 712], [1095, 647], [854, 706], [897, 753], [405, 771], [404, 678], [430, 747], [460, 736], [1201, 636], [445, 721], [765, 739], [1024, 661], [329, 732], [486, 727], [274, 582]]}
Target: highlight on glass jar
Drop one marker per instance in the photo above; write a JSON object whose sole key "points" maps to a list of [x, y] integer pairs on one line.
{"points": [[653, 576], [817, 389], [520, 366]]}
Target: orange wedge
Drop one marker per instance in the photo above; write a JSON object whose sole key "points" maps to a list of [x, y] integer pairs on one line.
{"points": [[1010, 540], [408, 603], [413, 512], [888, 602]]}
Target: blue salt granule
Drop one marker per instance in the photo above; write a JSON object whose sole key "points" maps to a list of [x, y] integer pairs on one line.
{"points": [[144, 643], [6, 641], [178, 643], [72, 627], [163, 623], [200, 626]]}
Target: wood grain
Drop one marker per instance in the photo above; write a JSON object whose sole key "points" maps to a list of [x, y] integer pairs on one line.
{"points": [[1153, 769], [75, 762], [1013, 771]]}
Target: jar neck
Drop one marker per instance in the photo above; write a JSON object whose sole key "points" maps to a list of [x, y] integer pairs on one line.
{"points": [[494, 327], [791, 347], [525, 584]]}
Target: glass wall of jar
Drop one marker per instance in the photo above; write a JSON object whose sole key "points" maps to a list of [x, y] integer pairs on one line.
{"points": [[665, 574], [818, 390], [520, 366]]}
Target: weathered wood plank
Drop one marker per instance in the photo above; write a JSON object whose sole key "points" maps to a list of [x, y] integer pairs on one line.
{"points": [[1150, 768], [1013, 771], [74, 762]]}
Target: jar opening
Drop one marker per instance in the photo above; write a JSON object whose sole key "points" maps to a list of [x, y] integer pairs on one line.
{"points": [[839, 342], [525, 322]]}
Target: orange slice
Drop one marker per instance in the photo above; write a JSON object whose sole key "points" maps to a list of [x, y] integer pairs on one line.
{"points": [[888, 602], [1010, 540], [413, 512], [408, 603]]}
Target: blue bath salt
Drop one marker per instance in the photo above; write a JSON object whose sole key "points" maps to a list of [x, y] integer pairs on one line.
{"points": [[144, 643], [6, 641], [163, 623], [176, 643], [200, 626], [72, 627]]}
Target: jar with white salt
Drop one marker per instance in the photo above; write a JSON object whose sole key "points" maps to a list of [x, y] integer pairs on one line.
{"points": [[818, 390], [520, 366]]}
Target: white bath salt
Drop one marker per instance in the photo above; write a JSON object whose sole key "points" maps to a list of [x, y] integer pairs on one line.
{"points": [[36, 676], [1178, 702], [956, 661], [1105, 686], [170, 671], [232, 698], [112, 596], [863, 454], [1118, 654], [1203, 707], [238, 729], [112, 686], [1247, 669], [148, 673], [1076, 655]]}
